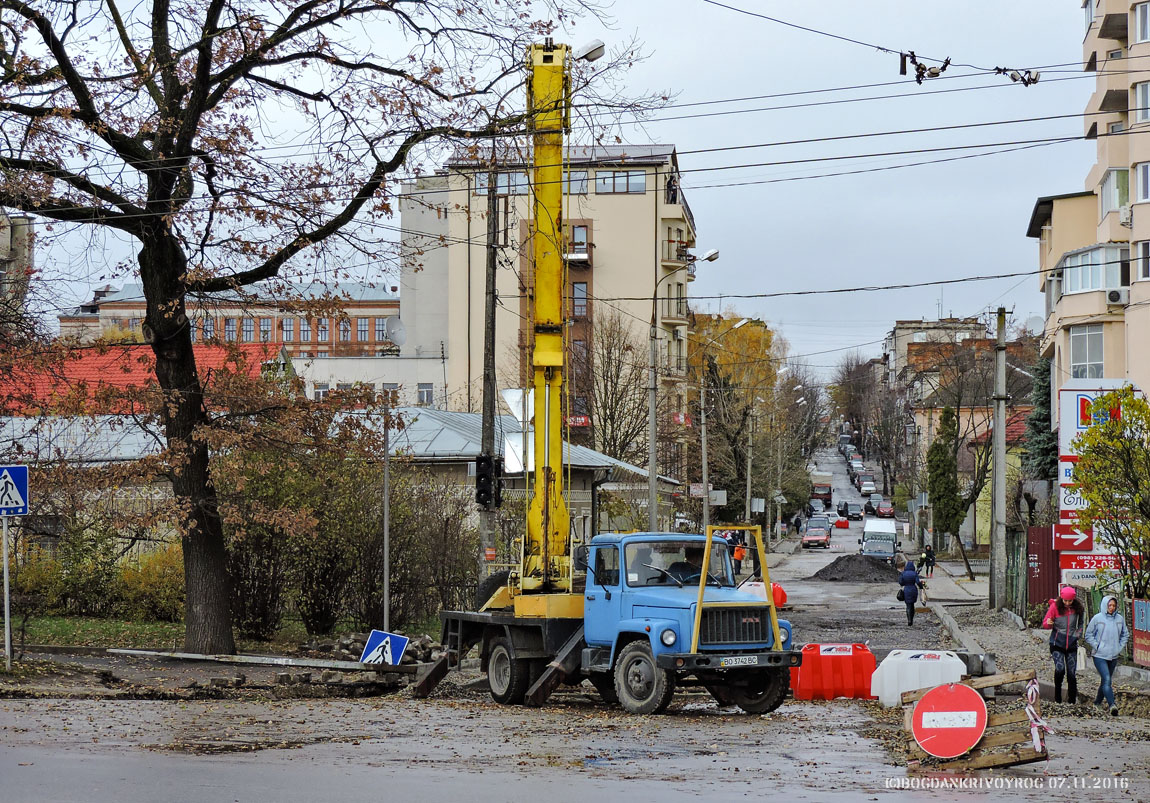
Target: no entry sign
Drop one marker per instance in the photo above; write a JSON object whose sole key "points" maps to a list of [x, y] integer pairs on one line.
{"points": [[949, 720]]}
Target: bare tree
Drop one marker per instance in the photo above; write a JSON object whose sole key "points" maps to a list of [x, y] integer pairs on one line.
{"points": [[617, 379], [180, 127]]}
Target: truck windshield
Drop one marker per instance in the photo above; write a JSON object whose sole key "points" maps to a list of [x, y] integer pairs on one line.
{"points": [[661, 563]]}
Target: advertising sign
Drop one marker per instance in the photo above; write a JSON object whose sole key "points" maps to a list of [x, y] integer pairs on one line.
{"points": [[1087, 560], [1141, 632], [1069, 538]]}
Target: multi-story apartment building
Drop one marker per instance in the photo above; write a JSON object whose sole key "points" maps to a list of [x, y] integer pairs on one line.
{"points": [[1094, 246], [900, 371], [356, 326], [628, 234]]}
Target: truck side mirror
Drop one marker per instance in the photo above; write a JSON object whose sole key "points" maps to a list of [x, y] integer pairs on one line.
{"points": [[581, 557], [860, 540]]}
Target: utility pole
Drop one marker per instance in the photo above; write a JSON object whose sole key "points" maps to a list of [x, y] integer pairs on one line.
{"points": [[652, 463], [750, 445], [487, 445], [703, 431], [998, 536]]}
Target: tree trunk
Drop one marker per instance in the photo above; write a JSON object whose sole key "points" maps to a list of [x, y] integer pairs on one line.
{"points": [[208, 624]]}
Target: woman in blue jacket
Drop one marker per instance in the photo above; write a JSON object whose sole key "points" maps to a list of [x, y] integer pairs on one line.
{"points": [[910, 582], [1107, 636]]}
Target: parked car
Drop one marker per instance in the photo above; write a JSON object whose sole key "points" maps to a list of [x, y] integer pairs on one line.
{"points": [[855, 467], [854, 511], [867, 487], [819, 520], [866, 475], [842, 508], [884, 509], [872, 503]]}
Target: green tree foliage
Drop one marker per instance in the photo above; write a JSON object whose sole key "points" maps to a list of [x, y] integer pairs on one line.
{"points": [[1113, 477], [1041, 459], [942, 471]]}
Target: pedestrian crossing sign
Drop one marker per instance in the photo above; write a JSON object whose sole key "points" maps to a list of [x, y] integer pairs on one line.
{"points": [[384, 648], [13, 490]]}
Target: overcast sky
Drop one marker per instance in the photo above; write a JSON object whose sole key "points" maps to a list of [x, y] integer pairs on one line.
{"points": [[949, 220]]}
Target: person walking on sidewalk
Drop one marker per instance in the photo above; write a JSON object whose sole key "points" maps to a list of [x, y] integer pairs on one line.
{"points": [[910, 582], [927, 562], [1064, 619], [1107, 636]]}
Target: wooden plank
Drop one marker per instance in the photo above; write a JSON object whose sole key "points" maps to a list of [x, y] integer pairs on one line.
{"points": [[1003, 739], [272, 660], [426, 681], [978, 760], [976, 683], [1007, 719], [908, 718]]}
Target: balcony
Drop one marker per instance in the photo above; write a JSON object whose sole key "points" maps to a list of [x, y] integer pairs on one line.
{"points": [[676, 366], [1114, 26], [578, 255], [676, 253], [675, 310]]}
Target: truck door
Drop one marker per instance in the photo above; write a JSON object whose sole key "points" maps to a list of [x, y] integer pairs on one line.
{"points": [[604, 598]]}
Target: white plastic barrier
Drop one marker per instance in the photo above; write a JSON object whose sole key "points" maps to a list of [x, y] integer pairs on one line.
{"points": [[907, 670]]}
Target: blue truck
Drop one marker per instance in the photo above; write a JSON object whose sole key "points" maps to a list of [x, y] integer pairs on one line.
{"points": [[652, 620]]}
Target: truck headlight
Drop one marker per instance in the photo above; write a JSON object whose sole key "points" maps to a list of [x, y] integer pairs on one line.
{"points": [[668, 637]]}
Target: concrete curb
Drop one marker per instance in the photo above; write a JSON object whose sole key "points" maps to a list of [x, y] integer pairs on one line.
{"points": [[1014, 619], [978, 661]]}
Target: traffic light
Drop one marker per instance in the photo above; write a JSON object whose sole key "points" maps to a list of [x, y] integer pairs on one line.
{"points": [[484, 481], [498, 489]]}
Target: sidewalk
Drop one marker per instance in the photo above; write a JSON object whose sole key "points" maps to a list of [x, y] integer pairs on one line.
{"points": [[951, 583]]}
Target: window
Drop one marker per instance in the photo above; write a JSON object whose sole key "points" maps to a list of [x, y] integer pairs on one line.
{"points": [[209, 328], [321, 330], [576, 182], [288, 325], [304, 330], [1115, 190], [265, 330], [343, 385], [1088, 7], [426, 394], [579, 352], [920, 337], [1142, 177], [505, 183], [1142, 102], [345, 331], [321, 355], [1096, 269], [391, 393], [229, 329], [619, 181], [1114, 54], [361, 329], [578, 239], [607, 566], [321, 391], [1086, 351], [193, 327], [579, 299], [1142, 259], [1142, 22], [1114, 128], [380, 330]]}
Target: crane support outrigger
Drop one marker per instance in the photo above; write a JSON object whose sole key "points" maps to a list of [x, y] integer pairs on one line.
{"points": [[637, 614]]}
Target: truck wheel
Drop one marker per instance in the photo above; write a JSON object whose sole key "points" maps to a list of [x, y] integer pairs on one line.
{"points": [[605, 685], [764, 692], [507, 677], [642, 687], [488, 586]]}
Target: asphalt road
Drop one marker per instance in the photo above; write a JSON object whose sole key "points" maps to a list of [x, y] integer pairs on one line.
{"points": [[461, 746]]}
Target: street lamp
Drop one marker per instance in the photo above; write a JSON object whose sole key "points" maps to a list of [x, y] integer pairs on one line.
{"points": [[703, 422], [652, 394]]}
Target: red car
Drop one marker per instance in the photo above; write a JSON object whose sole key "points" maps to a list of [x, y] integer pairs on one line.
{"points": [[884, 509], [817, 536]]}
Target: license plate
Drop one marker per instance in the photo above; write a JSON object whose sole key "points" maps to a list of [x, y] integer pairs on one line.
{"points": [[740, 660]]}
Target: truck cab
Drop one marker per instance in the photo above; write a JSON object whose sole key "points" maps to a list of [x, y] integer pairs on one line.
{"points": [[880, 540], [641, 611]]}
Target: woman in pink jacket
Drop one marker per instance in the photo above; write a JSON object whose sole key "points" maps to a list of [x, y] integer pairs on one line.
{"points": [[1064, 620]]}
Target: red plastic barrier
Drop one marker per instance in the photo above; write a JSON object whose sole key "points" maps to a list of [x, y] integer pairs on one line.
{"points": [[834, 670], [779, 594]]}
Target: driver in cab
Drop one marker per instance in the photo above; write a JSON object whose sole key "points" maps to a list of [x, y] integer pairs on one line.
{"points": [[688, 570]]}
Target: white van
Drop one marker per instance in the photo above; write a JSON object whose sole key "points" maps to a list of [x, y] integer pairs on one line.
{"points": [[880, 540]]}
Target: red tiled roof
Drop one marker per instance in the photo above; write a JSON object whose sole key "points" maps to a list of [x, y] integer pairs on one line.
{"points": [[1015, 429], [88, 371]]}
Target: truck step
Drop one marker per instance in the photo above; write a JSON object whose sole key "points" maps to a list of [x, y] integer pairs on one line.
{"points": [[563, 664]]}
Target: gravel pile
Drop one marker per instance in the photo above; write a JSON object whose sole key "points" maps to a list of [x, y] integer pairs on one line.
{"points": [[857, 569]]}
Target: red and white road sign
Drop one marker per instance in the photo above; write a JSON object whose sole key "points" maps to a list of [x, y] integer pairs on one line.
{"points": [[1069, 538], [949, 720]]}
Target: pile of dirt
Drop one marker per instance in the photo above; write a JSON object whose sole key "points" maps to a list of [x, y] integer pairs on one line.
{"points": [[857, 569]]}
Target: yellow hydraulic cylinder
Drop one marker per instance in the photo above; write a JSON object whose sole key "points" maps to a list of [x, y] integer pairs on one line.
{"points": [[546, 559]]}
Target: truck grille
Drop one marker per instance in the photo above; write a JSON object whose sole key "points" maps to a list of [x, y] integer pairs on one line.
{"points": [[735, 626]]}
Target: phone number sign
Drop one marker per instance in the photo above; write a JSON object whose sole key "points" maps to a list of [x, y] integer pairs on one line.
{"points": [[1141, 620]]}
